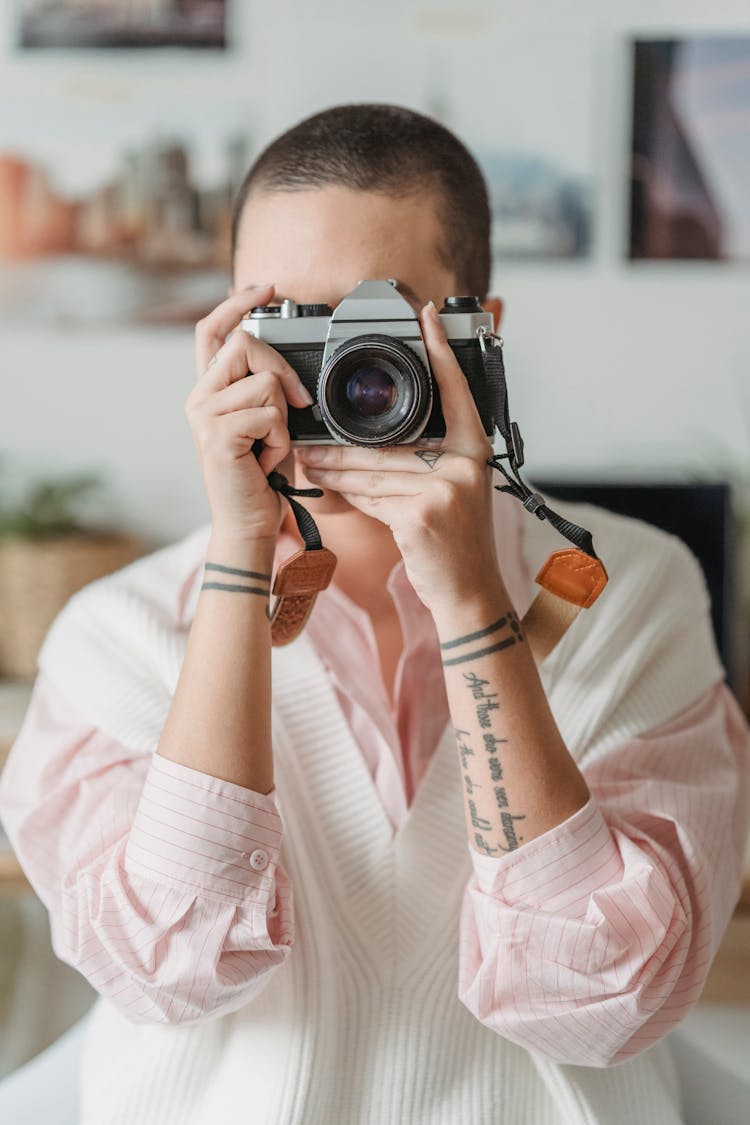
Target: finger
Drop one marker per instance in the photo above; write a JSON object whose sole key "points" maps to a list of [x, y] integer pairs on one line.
{"points": [[261, 389], [396, 458], [388, 510], [243, 354], [462, 421], [375, 482], [234, 435], [212, 330]]}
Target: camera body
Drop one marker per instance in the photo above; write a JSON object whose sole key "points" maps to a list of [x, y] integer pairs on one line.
{"points": [[366, 366]]}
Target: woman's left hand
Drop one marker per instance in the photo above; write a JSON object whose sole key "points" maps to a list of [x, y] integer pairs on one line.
{"points": [[436, 499]]}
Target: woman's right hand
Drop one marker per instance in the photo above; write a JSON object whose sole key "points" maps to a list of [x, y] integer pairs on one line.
{"points": [[228, 412]]}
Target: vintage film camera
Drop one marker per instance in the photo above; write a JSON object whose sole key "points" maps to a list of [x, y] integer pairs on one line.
{"points": [[365, 364]]}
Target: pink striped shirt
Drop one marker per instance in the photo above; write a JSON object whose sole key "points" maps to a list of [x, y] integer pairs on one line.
{"points": [[165, 889]]}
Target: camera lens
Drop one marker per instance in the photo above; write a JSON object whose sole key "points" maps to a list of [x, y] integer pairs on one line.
{"points": [[370, 390], [374, 390]]}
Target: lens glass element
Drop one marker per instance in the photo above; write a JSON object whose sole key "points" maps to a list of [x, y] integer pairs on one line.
{"points": [[374, 390], [370, 390]]}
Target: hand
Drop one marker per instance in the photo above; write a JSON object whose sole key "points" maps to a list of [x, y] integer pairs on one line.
{"points": [[227, 413], [435, 499]]}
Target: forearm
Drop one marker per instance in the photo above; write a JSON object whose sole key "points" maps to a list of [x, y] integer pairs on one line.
{"points": [[519, 778], [220, 718]]}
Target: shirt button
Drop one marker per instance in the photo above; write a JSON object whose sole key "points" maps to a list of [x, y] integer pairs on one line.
{"points": [[259, 860]]}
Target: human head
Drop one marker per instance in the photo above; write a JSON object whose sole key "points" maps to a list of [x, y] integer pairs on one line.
{"points": [[309, 220], [386, 152]]}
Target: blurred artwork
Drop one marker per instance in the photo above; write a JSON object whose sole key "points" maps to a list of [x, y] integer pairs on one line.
{"points": [[522, 98], [690, 170], [534, 140], [122, 23], [117, 214]]}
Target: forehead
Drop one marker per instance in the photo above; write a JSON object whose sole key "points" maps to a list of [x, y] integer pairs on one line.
{"points": [[317, 244]]}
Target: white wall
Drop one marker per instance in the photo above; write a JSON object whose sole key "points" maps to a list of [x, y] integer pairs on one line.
{"points": [[613, 367]]}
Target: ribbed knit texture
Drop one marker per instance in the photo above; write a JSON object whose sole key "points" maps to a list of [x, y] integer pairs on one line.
{"points": [[362, 1023]]}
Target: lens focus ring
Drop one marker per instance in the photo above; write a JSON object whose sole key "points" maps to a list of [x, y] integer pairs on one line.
{"points": [[374, 390]]}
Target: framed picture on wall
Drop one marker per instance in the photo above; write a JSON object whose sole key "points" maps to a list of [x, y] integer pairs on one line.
{"points": [[522, 97], [118, 212], [121, 23], [690, 149]]}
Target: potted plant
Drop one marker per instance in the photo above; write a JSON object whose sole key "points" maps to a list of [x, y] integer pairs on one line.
{"points": [[47, 553]]}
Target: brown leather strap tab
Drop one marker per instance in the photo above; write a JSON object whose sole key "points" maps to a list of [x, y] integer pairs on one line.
{"points": [[298, 581], [573, 576], [570, 581]]}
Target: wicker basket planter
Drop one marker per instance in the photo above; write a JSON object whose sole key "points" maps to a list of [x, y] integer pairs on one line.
{"points": [[38, 576]]}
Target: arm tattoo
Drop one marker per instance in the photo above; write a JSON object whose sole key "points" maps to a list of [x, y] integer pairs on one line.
{"points": [[476, 820], [464, 750], [429, 456], [239, 573], [480, 652], [508, 621], [499, 624], [495, 826], [509, 831], [483, 846], [234, 589]]}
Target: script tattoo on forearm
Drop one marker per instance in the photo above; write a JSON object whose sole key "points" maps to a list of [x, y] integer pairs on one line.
{"points": [[508, 623], [485, 703], [235, 587], [483, 846], [465, 751], [499, 832]]}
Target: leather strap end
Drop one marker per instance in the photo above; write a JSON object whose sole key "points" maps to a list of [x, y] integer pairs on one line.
{"points": [[306, 572], [573, 576], [298, 581]]}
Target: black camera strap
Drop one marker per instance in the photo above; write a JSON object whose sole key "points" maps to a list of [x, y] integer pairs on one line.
{"points": [[306, 525], [300, 578], [571, 579], [534, 502]]}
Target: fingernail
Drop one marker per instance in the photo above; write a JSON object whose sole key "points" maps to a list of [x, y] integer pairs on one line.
{"points": [[305, 395], [258, 285]]}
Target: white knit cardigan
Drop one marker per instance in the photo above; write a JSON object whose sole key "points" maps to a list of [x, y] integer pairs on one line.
{"points": [[362, 1024]]}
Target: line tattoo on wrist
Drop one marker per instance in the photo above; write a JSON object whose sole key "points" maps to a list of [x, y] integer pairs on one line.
{"points": [[234, 587], [230, 588], [509, 621], [239, 573]]}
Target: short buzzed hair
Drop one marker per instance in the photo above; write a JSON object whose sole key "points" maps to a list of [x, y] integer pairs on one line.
{"points": [[388, 149]]}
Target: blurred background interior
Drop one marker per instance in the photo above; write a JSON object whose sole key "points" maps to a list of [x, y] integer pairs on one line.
{"points": [[616, 143]]}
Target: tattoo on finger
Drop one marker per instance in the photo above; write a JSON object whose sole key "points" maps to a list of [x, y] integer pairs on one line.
{"points": [[430, 457]]}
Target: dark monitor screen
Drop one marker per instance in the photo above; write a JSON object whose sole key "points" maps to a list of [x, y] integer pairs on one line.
{"points": [[700, 514]]}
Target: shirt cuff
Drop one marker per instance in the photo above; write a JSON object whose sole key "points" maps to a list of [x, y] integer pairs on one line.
{"points": [[558, 871], [196, 831]]}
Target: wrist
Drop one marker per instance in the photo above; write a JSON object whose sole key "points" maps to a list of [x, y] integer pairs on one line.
{"points": [[232, 549], [475, 611]]}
